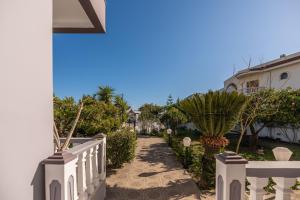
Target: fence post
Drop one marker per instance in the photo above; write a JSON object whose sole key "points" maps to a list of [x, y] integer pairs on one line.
{"points": [[60, 176], [230, 176]]}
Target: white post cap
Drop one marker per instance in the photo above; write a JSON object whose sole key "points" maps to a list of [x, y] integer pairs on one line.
{"points": [[282, 153]]}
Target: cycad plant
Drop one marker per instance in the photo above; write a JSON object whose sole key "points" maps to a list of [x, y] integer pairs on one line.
{"points": [[214, 114]]}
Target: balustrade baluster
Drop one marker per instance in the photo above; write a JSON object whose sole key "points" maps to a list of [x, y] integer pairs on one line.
{"points": [[82, 188], [282, 187], [257, 191], [89, 172], [95, 166]]}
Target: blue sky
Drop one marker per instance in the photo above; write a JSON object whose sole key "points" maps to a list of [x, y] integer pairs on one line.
{"points": [[154, 48]]}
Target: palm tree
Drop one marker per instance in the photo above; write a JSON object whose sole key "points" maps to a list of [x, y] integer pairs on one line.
{"points": [[105, 93], [123, 106], [214, 114]]}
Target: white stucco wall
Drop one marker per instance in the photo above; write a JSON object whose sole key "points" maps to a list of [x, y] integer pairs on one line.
{"points": [[270, 78], [26, 96], [293, 80]]}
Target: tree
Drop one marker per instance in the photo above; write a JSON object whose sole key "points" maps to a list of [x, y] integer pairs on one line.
{"points": [[98, 117], [123, 107], [105, 93], [64, 111], [170, 101], [288, 114], [172, 118], [260, 106], [150, 114], [214, 114]]}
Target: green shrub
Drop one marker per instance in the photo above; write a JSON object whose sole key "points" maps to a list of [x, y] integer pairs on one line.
{"points": [[194, 154], [120, 147]]}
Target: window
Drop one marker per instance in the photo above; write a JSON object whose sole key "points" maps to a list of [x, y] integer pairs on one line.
{"points": [[252, 86], [284, 75]]}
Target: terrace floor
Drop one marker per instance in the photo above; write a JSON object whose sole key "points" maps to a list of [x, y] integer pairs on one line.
{"points": [[153, 174]]}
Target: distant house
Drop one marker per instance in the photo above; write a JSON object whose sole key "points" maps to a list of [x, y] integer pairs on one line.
{"points": [[279, 74], [133, 117]]}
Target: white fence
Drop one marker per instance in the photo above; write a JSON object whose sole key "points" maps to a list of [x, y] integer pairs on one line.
{"points": [[78, 173], [232, 172]]}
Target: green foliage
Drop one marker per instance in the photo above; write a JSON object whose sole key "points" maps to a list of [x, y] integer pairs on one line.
{"points": [[173, 117], [98, 117], [65, 111], [120, 147], [289, 109], [123, 107], [170, 101], [193, 155], [105, 93], [214, 113], [150, 112], [102, 113], [271, 108]]}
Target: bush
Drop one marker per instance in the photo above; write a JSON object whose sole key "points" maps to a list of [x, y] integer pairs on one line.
{"points": [[120, 147], [194, 153]]}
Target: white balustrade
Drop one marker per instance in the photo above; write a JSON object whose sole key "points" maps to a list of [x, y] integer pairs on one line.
{"points": [[284, 174], [79, 172]]}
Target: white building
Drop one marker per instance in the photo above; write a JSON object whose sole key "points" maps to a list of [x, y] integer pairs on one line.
{"points": [[279, 74], [133, 119], [26, 85]]}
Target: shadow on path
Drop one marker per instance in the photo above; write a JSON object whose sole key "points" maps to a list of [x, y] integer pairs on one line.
{"points": [[153, 174]]}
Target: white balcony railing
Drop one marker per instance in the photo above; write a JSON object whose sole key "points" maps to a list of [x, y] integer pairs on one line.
{"points": [[232, 171], [78, 173], [251, 90]]}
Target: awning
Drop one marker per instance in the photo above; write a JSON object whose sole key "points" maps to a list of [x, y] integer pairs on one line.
{"points": [[79, 16]]}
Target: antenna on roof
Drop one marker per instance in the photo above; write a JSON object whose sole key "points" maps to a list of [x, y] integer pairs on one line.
{"points": [[233, 70], [248, 63], [282, 55]]}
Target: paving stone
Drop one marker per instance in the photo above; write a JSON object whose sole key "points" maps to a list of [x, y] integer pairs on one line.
{"points": [[155, 173]]}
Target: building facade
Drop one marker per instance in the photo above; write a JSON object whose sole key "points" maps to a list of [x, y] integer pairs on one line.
{"points": [[279, 74]]}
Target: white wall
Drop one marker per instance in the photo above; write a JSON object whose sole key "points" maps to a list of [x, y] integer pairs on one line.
{"points": [[26, 96], [281, 133], [270, 78]]}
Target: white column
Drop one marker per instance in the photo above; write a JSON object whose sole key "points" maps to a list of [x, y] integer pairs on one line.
{"points": [[282, 187], [89, 172], [257, 191], [230, 176], [82, 188], [60, 176], [95, 166]]}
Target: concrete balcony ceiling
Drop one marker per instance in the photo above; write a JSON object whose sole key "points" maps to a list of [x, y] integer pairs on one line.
{"points": [[79, 16]]}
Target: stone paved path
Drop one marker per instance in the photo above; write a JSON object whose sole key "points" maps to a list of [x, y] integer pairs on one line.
{"points": [[153, 174]]}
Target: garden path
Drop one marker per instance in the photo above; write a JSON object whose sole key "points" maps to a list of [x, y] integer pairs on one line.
{"points": [[153, 174]]}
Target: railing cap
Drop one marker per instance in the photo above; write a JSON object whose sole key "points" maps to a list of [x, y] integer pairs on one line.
{"points": [[99, 136], [59, 158], [230, 157]]}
